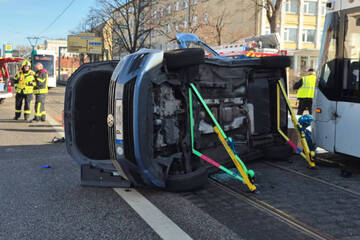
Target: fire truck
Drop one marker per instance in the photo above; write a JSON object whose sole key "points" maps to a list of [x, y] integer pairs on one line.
{"points": [[256, 46], [5, 83]]}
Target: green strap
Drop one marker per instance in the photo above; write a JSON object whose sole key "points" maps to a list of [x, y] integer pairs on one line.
{"points": [[191, 121], [214, 120], [207, 109]]}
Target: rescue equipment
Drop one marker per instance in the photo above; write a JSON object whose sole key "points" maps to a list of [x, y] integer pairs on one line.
{"points": [[305, 152], [247, 175]]}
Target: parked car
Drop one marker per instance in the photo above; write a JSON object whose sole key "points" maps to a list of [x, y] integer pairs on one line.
{"points": [[131, 118]]}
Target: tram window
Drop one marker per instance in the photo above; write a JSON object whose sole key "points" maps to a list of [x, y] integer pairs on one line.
{"points": [[328, 53], [351, 79]]}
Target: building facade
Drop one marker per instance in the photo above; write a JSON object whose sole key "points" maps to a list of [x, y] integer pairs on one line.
{"points": [[300, 26], [215, 21]]}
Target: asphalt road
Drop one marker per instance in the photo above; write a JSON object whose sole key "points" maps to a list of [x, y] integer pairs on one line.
{"points": [[49, 203]]}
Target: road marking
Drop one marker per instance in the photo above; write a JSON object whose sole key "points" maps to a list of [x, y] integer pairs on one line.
{"points": [[157, 220], [52, 121]]}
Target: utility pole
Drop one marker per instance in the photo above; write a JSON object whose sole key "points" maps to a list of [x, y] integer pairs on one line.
{"points": [[31, 39], [33, 45], [59, 61]]}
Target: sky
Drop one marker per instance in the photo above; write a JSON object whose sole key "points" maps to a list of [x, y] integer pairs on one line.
{"points": [[20, 19]]}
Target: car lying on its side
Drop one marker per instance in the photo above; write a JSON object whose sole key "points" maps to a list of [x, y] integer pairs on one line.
{"points": [[131, 118]]}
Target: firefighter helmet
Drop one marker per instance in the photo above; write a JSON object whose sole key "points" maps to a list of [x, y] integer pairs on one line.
{"points": [[26, 63]]}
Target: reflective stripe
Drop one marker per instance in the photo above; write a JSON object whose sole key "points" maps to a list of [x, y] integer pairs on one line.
{"points": [[45, 90], [37, 113], [43, 113], [27, 111], [18, 111]]}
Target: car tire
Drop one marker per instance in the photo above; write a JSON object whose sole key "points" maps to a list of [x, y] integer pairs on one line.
{"points": [[187, 182], [278, 152], [2, 100], [275, 62], [181, 58]]}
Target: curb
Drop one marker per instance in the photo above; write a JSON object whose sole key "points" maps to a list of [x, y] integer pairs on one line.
{"points": [[61, 82]]}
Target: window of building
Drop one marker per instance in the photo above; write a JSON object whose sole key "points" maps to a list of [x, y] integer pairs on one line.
{"points": [[168, 9], [176, 26], [185, 24], [308, 35], [155, 14], [161, 10], [310, 7], [195, 20], [168, 28], [206, 18], [292, 6], [176, 6], [290, 34], [267, 30], [323, 9], [185, 4]]}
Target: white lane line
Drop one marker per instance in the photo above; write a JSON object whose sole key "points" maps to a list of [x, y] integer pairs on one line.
{"points": [[157, 220], [52, 121]]}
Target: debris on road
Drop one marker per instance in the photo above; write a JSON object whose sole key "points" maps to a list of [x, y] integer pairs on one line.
{"points": [[58, 140], [46, 166]]}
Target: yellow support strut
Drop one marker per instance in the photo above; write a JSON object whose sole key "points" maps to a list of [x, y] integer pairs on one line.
{"points": [[244, 175], [306, 153]]}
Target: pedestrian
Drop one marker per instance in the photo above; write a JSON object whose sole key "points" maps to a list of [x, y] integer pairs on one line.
{"points": [[306, 91], [40, 91], [24, 82]]}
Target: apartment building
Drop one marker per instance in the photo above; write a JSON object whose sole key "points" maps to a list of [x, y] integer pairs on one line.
{"points": [[214, 21], [300, 27]]}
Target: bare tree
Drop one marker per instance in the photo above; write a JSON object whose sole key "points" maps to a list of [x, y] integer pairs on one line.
{"points": [[23, 50], [218, 23], [273, 11], [129, 20]]}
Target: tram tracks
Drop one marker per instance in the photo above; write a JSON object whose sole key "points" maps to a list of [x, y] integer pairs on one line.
{"points": [[272, 211], [348, 191]]}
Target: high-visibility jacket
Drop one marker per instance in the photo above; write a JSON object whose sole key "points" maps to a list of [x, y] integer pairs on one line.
{"points": [[24, 82], [41, 79], [307, 90]]}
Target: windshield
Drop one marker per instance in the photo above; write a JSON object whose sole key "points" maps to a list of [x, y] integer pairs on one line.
{"points": [[47, 61], [328, 52], [207, 50]]}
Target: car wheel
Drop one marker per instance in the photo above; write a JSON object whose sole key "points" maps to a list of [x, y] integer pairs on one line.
{"points": [[278, 152], [187, 182], [181, 58], [2, 100]]}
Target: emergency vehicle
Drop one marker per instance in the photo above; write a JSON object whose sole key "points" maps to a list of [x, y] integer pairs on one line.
{"points": [[5, 83], [336, 106]]}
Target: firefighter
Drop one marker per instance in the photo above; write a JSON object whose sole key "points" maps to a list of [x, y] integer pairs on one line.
{"points": [[306, 91], [24, 82], [40, 91]]}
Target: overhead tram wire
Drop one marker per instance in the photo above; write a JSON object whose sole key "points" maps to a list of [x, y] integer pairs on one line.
{"points": [[59, 16]]}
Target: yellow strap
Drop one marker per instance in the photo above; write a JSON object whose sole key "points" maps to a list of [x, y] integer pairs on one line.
{"points": [[236, 162]]}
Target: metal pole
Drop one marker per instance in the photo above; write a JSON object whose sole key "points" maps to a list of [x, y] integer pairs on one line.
{"points": [[59, 63]]}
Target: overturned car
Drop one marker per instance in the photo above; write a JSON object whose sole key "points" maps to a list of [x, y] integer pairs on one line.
{"points": [[127, 123]]}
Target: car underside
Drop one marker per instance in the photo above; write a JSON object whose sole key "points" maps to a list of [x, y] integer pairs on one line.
{"points": [[131, 118]]}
